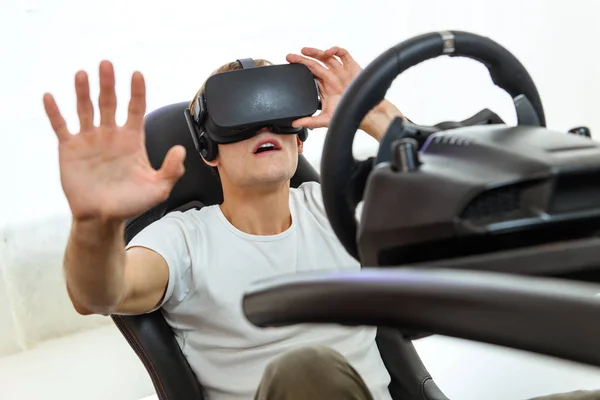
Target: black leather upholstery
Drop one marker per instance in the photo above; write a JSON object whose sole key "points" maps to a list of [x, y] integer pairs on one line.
{"points": [[150, 336], [410, 378]]}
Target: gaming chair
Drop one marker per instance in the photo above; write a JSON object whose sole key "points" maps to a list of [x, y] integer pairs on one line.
{"points": [[151, 337]]}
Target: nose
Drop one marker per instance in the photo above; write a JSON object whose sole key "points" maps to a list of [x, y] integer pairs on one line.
{"points": [[265, 130]]}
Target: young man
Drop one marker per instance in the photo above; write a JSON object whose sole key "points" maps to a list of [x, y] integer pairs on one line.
{"points": [[196, 265]]}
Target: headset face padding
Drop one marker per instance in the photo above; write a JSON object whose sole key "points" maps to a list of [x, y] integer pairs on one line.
{"points": [[208, 149]]}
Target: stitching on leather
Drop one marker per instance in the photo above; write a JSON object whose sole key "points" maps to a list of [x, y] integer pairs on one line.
{"points": [[145, 360], [150, 363], [129, 333]]}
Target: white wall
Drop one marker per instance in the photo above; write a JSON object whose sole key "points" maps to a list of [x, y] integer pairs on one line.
{"points": [[176, 44]]}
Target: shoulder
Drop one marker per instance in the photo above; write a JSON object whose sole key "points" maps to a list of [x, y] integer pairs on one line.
{"points": [[307, 189], [179, 226], [309, 194], [194, 217], [180, 238], [308, 203]]}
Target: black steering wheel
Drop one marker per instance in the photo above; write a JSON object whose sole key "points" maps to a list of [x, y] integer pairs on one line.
{"points": [[340, 175]]}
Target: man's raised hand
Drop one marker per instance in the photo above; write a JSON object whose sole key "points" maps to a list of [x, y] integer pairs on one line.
{"points": [[105, 172]]}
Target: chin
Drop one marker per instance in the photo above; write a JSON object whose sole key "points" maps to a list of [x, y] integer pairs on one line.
{"points": [[273, 176], [274, 179], [275, 168]]}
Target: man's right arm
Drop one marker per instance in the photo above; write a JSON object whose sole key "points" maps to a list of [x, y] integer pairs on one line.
{"points": [[107, 177], [103, 278]]}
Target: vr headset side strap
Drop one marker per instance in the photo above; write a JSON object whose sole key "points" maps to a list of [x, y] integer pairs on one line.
{"points": [[246, 63]]}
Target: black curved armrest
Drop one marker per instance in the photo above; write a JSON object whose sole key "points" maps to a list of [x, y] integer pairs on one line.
{"points": [[152, 340], [542, 315]]}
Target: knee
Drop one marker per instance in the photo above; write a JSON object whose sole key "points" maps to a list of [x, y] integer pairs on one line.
{"points": [[314, 372], [312, 365], [307, 358]]}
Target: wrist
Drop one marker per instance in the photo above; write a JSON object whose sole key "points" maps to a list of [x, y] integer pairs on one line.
{"points": [[94, 228], [96, 219], [378, 119]]}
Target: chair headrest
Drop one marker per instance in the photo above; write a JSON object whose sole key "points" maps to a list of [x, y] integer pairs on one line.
{"points": [[167, 127]]}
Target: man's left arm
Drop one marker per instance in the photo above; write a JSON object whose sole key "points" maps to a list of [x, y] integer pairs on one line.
{"points": [[375, 124], [377, 120]]}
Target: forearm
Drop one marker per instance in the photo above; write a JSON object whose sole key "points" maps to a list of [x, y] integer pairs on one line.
{"points": [[94, 265], [377, 120]]}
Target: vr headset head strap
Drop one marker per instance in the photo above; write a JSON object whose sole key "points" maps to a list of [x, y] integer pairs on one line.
{"points": [[246, 63]]}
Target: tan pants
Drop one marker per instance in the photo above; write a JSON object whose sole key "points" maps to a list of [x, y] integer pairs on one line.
{"points": [[319, 373], [312, 373]]}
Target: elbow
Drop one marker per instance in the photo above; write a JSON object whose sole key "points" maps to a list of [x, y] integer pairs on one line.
{"points": [[90, 309], [95, 310], [81, 310]]}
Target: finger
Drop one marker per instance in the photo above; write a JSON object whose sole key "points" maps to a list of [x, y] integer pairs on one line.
{"points": [[322, 56], [56, 119], [107, 100], [318, 121], [318, 70], [85, 108], [137, 103], [342, 53], [172, 167]]}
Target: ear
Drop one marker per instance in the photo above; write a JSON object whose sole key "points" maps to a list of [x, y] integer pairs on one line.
{"points": [[213, 163], [300, 144]]}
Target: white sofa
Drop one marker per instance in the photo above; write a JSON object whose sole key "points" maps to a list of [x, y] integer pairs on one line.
{"points": [[48, 351]]}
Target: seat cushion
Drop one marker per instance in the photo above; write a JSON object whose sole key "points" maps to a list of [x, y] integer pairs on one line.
{"points": [[97, 364]]}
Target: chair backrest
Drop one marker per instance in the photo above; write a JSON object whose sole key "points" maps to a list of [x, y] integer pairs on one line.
{"points": [[149, 334]]}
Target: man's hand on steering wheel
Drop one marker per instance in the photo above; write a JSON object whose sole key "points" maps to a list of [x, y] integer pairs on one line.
{"points": [[334, 69]]}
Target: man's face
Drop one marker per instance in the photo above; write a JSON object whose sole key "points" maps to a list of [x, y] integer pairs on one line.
{"points": [[265, 160]]}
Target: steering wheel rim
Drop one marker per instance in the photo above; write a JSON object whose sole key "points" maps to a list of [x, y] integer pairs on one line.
{"points": [[339, 168]]}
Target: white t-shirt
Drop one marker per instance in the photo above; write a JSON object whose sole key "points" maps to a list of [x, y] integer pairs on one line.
{"points": [[211, 263]]}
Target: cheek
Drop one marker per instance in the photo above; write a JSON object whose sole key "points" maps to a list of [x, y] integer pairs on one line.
{"points": [[232, 154], [292, 145], [292, 142]]}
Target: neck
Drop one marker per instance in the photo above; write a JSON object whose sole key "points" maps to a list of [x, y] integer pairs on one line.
{"points": [[258, 211]]}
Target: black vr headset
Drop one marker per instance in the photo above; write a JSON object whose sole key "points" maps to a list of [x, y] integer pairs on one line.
{"points": [[235, 105]]}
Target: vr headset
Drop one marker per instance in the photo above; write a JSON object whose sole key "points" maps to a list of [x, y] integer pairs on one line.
{"points": [[237, 104]]}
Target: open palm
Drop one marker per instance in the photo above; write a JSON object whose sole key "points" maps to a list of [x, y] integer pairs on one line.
{"points": [[105, 172]]}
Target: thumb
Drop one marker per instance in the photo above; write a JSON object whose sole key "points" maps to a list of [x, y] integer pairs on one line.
{"points": [[319, 121], [172, 167]]}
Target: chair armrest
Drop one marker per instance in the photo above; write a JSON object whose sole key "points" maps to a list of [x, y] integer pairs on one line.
{"points": [[154, 343]]}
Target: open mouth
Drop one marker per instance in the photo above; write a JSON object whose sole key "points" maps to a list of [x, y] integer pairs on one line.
{"points": [[267, 147]]}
